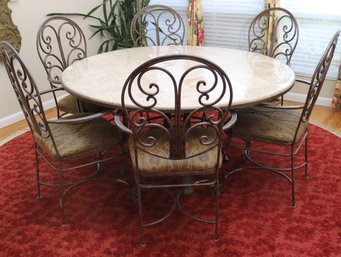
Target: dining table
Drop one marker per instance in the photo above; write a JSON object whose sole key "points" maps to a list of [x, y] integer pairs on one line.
{"points": [[254, 77]]}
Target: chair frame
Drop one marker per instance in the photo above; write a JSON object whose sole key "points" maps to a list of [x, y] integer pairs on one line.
{"points": [[55, 59], [262, 22], [175, 27], [30, 102], [268, 20], [314, 89], [177, 127]]}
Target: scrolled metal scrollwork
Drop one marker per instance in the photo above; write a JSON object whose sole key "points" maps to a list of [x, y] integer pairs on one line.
{"points": [[150, 91], [319, 77], [157, 25], [274, 32], [205, 87], [147, 120], [25, 89], [60, 42]]}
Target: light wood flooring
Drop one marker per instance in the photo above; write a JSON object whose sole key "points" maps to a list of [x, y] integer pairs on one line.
{"points": [[322, 116]]}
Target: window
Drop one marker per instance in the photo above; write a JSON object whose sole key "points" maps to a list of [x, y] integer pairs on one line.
{"points": [[227, 23], [318, 21]]}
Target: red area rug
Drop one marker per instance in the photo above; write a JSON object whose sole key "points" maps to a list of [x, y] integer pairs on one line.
{"points": [[255, 214]]}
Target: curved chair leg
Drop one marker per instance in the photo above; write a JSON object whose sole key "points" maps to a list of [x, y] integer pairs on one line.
{"points": [[306, 157], [292, 179], [140, 215], [39, 195], [62, 194], [217, 209]]}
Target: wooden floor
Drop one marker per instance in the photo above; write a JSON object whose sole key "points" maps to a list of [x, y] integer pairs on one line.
{"points": [[322, 116]]}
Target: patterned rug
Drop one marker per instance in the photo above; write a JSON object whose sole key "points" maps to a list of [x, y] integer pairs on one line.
{"points": [[256, 218]]}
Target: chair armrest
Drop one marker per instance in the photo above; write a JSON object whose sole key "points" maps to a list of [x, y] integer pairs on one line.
{"points": [[51, 90], [119, 123], [264, 105], [303, 81], [231, 121], [84, 118]]}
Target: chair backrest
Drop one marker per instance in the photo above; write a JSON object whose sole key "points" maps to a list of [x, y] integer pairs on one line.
{"points": [[173, 78], [157, 25], [319, 77], [274, 32], [60, 42], [26, 90]]}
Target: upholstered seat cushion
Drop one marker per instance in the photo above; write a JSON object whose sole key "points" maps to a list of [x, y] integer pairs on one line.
{"points": [[150, 165], [266, 124], [68, 104], [77, 139]]}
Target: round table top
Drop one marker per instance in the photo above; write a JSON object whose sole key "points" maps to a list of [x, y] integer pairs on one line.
{"points": [[254, 77]]}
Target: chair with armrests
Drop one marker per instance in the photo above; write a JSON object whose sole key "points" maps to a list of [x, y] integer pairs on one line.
{"points": [[163, 146], [66, 144], [285, 126], [60, 42], [274, 32], [157, 25]]}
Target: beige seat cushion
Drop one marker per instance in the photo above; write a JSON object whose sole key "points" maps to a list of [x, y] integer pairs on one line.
{"points": [[68, 104], [150, 165], [265, 124], [80, 138]]}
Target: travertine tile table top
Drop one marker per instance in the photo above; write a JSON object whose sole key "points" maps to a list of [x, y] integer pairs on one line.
{"points": [[254, 77]]}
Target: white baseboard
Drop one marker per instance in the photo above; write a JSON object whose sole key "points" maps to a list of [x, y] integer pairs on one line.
{"points": [[13, 118], [322, 101]]}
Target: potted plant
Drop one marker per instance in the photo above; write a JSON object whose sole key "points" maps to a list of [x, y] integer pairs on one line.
{"points": [[114, 23]]}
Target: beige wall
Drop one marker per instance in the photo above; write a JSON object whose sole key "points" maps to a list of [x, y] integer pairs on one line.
{"points": [[28, 15]]}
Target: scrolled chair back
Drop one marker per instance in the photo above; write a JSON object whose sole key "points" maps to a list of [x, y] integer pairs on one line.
{"points": [[274, 32], [167, 81], [319, 77], [157, 25], [26, 90], [60, 42]]}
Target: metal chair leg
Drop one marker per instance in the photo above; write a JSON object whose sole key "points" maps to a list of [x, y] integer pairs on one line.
{"points": [[292, 179], [62, 194], [39, 195], [141, 219], [306, 157], [217, 209]]}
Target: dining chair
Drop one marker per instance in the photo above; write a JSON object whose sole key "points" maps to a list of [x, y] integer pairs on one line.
{"points": [[163, 147], [61, 42], [274, 32], [76, 143], [157, 25], [284, 126]]}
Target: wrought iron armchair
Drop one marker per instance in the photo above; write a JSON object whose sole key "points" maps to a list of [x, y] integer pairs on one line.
{"points": [[157, 25], [285, 126], [274, 32], [163, 146], [60, 42], [65, 144]]}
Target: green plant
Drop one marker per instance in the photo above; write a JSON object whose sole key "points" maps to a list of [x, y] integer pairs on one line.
{"points": [[114, 23]]}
